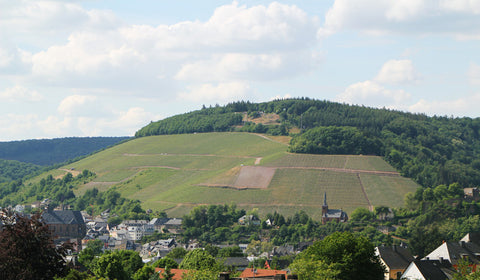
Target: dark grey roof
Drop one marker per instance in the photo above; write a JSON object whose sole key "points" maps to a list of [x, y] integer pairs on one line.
{"points": [[158, 221], [473, 237], [335, 213], [236, 261], [463, 250], [431, 269], [174, 221], [395, 257], [68, 217]]}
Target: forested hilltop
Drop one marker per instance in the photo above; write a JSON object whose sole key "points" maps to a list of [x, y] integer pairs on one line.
{"points": [[53, 151], [431, 150]]}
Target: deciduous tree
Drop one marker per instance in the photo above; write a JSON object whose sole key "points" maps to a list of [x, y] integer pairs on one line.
{"points": [[340, 256], [27, 250]]}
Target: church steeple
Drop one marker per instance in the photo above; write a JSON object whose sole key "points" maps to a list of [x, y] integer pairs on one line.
{"points": [[325, 205]]}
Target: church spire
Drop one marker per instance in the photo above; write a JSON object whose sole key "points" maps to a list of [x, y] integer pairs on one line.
{"points": [[325, 199]]}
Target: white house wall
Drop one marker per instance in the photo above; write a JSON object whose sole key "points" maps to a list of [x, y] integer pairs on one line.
{"points": [[412, 273]]}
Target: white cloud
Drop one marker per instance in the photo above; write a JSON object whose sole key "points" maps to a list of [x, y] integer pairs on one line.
{"points": [[5, 58], [242, 66], [462, 106], [462, 6], [397, 72], [222, 92], [474, 74], [128, 122], [370, 93], [19, 94], [112, 123], [236, 43], [457, 18], [55, 126], [43, 22], [18, 124], [78, 105]]}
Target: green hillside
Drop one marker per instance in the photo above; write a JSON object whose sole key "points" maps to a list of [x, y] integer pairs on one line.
{"points": [[178, 172], [431, 150]]}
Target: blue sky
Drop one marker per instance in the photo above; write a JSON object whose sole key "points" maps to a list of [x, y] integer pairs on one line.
{"points": [[107, 68]]}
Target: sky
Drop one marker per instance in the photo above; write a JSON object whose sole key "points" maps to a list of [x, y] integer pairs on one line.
{"points": [[109, 67]]}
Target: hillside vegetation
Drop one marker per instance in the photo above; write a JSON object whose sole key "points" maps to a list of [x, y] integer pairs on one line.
{"points": [[430, 150], [175, 173], [11, 170], [53, 151]]}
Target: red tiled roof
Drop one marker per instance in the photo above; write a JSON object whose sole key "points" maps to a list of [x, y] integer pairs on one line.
{"points": [[178, 273], [248, 272]]}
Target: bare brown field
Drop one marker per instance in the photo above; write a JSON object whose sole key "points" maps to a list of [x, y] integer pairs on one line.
{"points": [[254, 177]]}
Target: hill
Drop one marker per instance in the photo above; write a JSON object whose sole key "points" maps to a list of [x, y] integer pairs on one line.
{"points": [[178, 172], [430, 150], [53, 151]]}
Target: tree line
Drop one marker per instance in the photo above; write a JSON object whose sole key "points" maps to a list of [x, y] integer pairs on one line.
{"points": [[48, 152]]}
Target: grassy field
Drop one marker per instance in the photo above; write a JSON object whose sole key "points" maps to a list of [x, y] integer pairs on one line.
{"points": [[178, 172]]}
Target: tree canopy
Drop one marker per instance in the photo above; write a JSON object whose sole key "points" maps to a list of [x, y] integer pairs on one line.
{"points": [[340, 256], [27, 250], [198, 259]]}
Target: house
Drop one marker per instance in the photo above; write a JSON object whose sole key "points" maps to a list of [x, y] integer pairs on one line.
{"points": [[174, 225], [155, 248], [240, 263], [452, 252], [328, 215], [19, 208], [471, 194], [395, 259], [473, 237], [428, 270], [249, 220], [66, 224], [135, 229], [177, 273], [158, 223], [283, 250]]}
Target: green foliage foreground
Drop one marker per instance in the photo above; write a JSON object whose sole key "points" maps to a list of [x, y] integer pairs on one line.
{"points": [[339, 256]]}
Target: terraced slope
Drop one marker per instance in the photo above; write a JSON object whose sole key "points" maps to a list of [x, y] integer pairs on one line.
{"points": [[178, 172]]}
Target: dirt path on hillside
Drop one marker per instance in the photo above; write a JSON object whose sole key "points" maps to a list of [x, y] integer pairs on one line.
{"points": [[189, 155], [343, 170], [370, 206], [270, 139]]}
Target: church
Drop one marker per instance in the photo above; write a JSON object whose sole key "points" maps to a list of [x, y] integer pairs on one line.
{"points": [[332, 214]]}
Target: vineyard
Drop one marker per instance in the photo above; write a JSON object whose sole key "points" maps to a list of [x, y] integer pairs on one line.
{"points": [[178, 172]]}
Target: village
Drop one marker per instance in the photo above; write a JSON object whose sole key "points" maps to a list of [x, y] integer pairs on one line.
{"points": [[79, 228]]}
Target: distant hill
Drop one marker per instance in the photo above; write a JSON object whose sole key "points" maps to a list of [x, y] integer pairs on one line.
{"points": [[431, 150], [14, 170], [178, 172], [53, 151]]}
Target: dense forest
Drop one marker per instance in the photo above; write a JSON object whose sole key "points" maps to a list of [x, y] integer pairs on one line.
{"points": [[11, 170], [430, 150], [53, 151]]}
